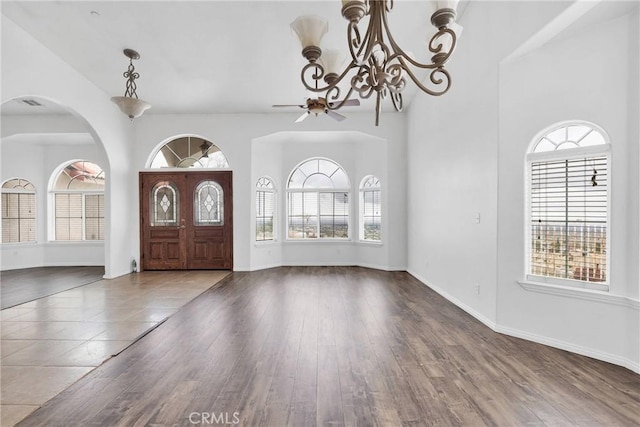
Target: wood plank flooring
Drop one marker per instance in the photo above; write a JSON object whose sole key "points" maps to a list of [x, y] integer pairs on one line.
{"points": [[305, 346], [24, 285]]}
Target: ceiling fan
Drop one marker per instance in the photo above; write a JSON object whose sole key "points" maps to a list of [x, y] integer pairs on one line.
{"points": [[320, 105]]}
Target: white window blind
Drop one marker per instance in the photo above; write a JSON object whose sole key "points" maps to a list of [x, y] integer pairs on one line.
{"points": [[318, 201], [370, 210], [568, 213], [265, 209]]}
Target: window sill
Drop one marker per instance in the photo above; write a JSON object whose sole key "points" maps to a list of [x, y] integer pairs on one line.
{"points": [[322, 241], [370, 243], [75, 242], [259, 243], [579, 293]]}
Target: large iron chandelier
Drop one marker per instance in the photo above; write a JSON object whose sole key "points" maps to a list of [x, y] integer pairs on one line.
{"points": [[129, 103], [378, 65]]}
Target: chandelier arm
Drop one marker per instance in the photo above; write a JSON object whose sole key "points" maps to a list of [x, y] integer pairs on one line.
{"points": [[339, 104], [316, 75], [433, 78], [396, 99], [441, 57]]}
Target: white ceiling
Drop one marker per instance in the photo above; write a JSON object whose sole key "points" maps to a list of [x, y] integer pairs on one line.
{"points": [[200, 56]]}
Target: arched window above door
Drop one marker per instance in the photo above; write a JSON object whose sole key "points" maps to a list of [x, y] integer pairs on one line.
{"points": [[189, 152]]}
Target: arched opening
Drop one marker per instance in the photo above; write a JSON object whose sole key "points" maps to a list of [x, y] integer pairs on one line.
{"points": [[39, 134]]}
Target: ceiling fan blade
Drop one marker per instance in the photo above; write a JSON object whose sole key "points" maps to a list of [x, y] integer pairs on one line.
{"points": [[347, 103], [302, 117], [351, 103], [289, 105], [336, 116]]}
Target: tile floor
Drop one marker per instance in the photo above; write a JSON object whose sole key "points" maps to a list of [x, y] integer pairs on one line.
{"points": [[48, 344]]}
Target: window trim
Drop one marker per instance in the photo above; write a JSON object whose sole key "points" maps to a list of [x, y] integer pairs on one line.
{"points": [[537, 281], [318, 191], [272, 190], [361, 192], [51, 203]]}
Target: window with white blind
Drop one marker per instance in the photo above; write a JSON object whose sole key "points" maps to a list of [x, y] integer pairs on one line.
{"points": [[265, 209], [78, 202], [568, 207], [18, 211], [318, 201], [370, 209]]}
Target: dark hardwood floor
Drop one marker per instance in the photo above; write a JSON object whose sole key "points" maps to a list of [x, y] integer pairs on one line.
{"points": [[339, 346], [24, 285]]}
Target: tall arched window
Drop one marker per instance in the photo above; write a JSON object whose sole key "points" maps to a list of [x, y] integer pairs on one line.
{"points": [[18, 211], [189, 152], [265, 209], [568, 206], [318, 201], [78, 202], [370, 209]]}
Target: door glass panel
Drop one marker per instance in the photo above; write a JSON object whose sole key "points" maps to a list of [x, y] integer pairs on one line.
{"points": [[164, 204], [208, 204]]}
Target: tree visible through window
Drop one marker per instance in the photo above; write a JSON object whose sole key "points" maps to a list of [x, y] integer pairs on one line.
{"points": [[78, 197], [568, 204], [318, 201], [18, 211]]}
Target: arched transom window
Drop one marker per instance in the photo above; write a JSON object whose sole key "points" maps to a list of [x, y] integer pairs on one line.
{"points": [[189, 152], [78, 202], [18, 211], [568, 206], [318, 201]]}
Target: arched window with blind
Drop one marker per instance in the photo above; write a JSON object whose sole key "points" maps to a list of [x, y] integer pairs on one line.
{"points": [[18, 211], [318, 201], [370, 209], [568, 170], [78, 202], [265, 209]]}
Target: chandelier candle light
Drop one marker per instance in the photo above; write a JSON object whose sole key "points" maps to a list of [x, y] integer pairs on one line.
{"points": [[378, 65], [129, 103]]}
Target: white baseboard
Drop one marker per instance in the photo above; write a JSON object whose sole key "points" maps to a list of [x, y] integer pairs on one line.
{"points": [[481, 317], [540, 339], [563, 345]]}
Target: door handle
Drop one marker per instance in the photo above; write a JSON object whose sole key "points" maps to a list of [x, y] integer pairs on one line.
{"points": [[182, 226]]}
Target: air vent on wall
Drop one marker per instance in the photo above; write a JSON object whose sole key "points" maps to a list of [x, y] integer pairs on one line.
{"points": [[32, 102]]}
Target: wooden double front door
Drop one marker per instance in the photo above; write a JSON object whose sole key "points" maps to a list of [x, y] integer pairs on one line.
{"points": [[186, 220]]}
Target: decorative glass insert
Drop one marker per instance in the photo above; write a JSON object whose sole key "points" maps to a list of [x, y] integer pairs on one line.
{"points": [[318, 201], [208, 204], [164, 204], [265, 209], [371, 215], [78, 197], [189, 152], [568, 206], [18, 211]]}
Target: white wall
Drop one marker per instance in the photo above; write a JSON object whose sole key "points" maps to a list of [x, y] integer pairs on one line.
{"points": [[466, 156], [360, 155], [271, 144], [579, 85], [31, 70], [35, 157]]}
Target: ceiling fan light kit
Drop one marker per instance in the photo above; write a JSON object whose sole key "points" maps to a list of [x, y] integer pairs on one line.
{"points": [[129, 104], [377, 64]]}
